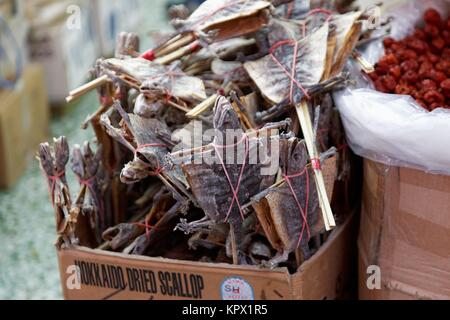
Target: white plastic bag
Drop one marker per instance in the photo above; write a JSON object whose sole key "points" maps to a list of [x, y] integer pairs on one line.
{"points": [[394, 129]]}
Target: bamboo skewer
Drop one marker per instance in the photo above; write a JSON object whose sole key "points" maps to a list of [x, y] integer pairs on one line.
{"points": [[365, 65], [305, 122], [175, 45], [241, 111], [177, 54], [233, 245], [75, 94], [202, 107]]}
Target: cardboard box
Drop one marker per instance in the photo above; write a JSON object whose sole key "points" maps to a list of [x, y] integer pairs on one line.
{"points": [[107, 275], [23, 123], [67, 49], [405, 230]]}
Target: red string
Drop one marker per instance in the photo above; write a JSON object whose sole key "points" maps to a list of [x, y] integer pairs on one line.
{"points": [[89, 184], [291, 7], [54, 179], [158, 169], [315, 163], [303, 213], [147, 227], [234, 189], [320, 10], [291, 75], [315, 11]]}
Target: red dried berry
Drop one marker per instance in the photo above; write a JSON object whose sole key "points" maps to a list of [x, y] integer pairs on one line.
{"points": [[381, 69], [428, 84], [388, 42], [437, 76], [445, 54], [403, 89], [422, 103], [432, 57], [445, 87], [380, 86], [409, 65], [416, 94], [444, 66], [433, 17], [389, 59], [437, 44], [411, 76], [431, 30], [389, 82], [419, 46], [395, 71], [425, 69], [433, 96], [446, 37], [373, 76], [420, 34]]}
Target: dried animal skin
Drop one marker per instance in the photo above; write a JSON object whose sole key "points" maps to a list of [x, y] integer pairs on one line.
{"points": [[229, 70], [210, 238], [126, 43], [152, 74], [285, 215], [86, 164], [310, 63], [348, 30], [324, 123], [120, 235], [282, 29], [147, 108], [214, 12], [295, 9], [209, 183]]}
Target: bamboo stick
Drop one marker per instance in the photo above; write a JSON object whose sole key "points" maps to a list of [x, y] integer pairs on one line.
{"points": [[305, 123], [177, 106], [179, 43], [202, 107], [365, 65], [233, 245], [167, 59], [76, 93]]}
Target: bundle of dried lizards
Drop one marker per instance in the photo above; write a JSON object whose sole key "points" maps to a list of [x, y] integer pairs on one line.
{"points": [[221, 144]]}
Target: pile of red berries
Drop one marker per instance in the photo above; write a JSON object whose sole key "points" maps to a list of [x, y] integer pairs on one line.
{"points": [[418, 65]]}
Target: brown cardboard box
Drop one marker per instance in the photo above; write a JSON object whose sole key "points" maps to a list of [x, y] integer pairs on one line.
{"points": [[23, 123], [324, 276], [405, 230]]}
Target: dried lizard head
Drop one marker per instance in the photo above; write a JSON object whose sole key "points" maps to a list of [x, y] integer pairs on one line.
{"points": [[155, 87]]}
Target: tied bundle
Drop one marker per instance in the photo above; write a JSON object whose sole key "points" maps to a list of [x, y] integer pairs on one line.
{"points": [[168, 180]]}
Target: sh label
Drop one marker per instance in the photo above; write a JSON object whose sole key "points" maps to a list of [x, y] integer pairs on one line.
{"points": [[236, 289]]}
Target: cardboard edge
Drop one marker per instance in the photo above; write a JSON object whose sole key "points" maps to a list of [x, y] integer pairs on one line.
{"points": [[181, 263]]}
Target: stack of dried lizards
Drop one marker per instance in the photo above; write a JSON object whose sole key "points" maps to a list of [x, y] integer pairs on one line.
{"points": [[221, 144]]}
